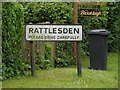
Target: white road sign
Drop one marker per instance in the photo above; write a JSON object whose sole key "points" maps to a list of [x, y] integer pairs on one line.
{"points": [[40, 32]]}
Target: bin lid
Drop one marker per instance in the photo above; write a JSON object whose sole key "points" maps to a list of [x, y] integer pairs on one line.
{"points": [[99, 32]]}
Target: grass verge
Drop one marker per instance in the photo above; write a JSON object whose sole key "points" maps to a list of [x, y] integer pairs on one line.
{"points": [[67, 77]]}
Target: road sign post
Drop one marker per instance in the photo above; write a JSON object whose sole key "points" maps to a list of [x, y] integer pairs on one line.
{"points": [[53, 32], [32, 59], [79, 60]]}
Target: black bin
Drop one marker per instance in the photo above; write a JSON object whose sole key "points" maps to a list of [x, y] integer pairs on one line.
{"points": [[98, 48]]}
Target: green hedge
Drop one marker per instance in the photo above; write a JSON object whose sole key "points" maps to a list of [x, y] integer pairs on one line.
{"points": [[113, 25], [12, 31], [42, 12]]}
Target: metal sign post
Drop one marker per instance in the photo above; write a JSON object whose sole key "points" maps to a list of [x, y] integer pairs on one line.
{"points": [[32, 59], [79, 60]]}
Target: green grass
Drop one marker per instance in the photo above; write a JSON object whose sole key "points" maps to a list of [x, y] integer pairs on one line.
{"points": [[67, 77]]}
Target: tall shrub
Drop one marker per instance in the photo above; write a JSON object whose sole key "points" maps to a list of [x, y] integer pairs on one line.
{"points": [[12, 31], [113, 25], [48, 11]]}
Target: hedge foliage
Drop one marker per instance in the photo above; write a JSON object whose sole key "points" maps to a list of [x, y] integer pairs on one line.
{"points": [[113, 25], [42, 12], [12, 31]]}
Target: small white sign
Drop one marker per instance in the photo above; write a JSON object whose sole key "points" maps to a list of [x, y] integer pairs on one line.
{"points": [[53, 32]]}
